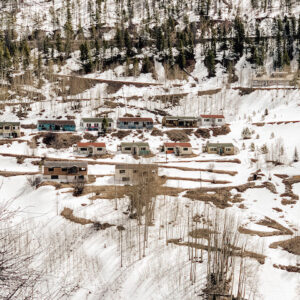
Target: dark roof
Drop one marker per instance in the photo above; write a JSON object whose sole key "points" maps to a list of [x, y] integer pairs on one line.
{"points": [[57, 122], [136, 166], [181, 118], [139, 144], [178, 145], [10, 123], [91, 144], [135, 119], [218, 145], [99, 120], [212, 116], [65, 164]]}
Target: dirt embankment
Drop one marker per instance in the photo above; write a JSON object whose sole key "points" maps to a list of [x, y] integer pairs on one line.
{"points": [[291, 245], [268, 222], [236, 251]]}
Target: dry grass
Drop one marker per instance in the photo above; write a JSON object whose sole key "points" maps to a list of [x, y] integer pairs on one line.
{"points": [[177, 135], [291, 245], [120, 134], [235, 250], [67, 213], [289, 268]]}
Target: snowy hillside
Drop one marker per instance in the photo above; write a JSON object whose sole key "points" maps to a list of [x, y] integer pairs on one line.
{"points": [[210, 225]]}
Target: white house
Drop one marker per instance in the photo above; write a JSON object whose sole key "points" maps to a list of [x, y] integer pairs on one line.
{"points": [[90, 148], [96, 124], [211, 120], [177, 148]]}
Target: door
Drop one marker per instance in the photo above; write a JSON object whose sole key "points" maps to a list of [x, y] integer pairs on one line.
{"points": [[90, 150], [134, 151]]}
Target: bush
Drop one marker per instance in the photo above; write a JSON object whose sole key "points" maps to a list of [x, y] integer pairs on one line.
{"points": [[177, 135]]}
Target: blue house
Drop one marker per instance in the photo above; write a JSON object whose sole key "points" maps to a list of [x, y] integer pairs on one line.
{"points": [[56, 125], [135, 123]]}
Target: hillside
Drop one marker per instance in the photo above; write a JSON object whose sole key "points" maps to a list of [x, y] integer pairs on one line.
{"points": [[210, 225]]}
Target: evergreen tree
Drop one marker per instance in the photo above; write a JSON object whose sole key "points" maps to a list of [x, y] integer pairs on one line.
{"points": [[210, 63], [239, 39]]}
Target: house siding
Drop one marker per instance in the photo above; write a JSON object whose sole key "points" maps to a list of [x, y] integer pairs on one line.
{"points": [[134, 125], [10, 130]]}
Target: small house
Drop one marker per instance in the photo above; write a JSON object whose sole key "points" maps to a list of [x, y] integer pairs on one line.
{"points": [[177, 148], [10, 129], [219, 148], [65, 171], [211, 120], [90, 149], [135, 148], [56, 125], [96, 124], [135, 123], [169, 121], [135, 173], [277, 78]]}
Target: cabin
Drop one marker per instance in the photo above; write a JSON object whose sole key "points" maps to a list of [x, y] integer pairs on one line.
{"points": [[136, 173], [90, 149], [178, 149], [135, 123], [96, 124], [277, 78], [219, 148], [135, 148], [56, 125], [65, 171], [10, 129], [211, 120], [169, 121]]}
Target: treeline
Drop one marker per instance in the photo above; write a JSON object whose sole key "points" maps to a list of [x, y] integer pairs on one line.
{"points": [[164, 32]]}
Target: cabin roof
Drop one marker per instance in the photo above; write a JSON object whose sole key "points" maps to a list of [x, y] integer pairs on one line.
{"points": [[10, 123], [91, 144], [139, 144], [135, 119], [218, 145], [96, 120], [212, 116], [57, 122], [65, 164], [181, 118], [178, 145]]}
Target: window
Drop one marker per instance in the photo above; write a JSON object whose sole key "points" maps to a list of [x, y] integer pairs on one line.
{"points": [[64, 169], [50, 169], [82, 169], [169, 149], [81, 177], [206, 120], [109, 124], [213, 149], [96, 125], [143, 148], [219, 120], [54, 176], [136, 123], [83, 149], [125, 123], [125, 178], [6, 127], [99, 149], [227, 149], [88, 125], [185, 149], [122, 171], [127, 148]]}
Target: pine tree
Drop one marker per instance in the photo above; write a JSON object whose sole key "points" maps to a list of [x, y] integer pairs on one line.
{"points": [[239, 39], [209, 62], [296, 156]]}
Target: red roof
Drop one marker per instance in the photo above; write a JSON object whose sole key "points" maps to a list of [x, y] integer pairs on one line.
{"points": [[212, 116], [135, 119], [178, 145], [91, 144]]}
